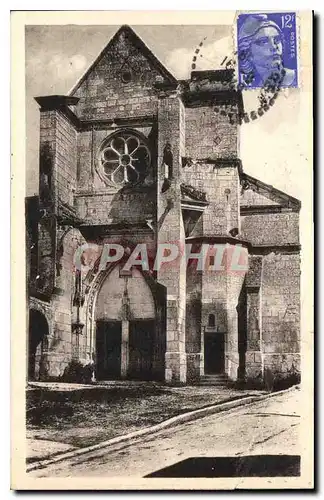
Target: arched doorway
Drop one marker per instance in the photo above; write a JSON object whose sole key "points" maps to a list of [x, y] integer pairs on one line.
{"points": [[37, 345], [128, 338]]}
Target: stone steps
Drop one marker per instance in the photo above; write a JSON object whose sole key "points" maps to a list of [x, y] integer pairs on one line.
{"points": [[214, 379]]}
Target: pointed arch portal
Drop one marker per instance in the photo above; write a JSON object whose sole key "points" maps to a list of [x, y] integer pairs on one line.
{"points": [[129, 334]]}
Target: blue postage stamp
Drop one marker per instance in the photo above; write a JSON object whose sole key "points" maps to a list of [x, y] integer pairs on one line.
{"points": [[267, 50]]}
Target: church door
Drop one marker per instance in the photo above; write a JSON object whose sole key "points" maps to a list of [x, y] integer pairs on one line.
{"points": [[214, 352], [141, 341], [109, 335]]}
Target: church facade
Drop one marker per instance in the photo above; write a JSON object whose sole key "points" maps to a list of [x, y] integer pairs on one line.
{"points": [[133, 157]]}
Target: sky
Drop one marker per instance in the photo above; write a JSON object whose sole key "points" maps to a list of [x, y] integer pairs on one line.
{"points": [[273, 148]]}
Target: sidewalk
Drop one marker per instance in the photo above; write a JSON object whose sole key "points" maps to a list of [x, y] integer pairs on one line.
{"points": [[63, 417], [41, 449], [260, 439]]}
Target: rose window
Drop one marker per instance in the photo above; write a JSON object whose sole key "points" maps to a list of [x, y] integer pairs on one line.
{"points": [[125, 159]]}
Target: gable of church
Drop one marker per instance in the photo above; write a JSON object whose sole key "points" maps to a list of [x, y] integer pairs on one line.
{"points": [[257, 194], [120, 83]]}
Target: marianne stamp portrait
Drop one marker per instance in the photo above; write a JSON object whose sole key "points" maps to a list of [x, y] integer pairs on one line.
{"points": [[267, 49]]}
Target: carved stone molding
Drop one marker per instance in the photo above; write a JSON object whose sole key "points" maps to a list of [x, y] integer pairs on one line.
{"points": [[77, 328], [193, 192]]}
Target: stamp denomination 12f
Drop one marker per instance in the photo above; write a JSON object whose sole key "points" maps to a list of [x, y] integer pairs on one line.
{"points": [[267, 49]]}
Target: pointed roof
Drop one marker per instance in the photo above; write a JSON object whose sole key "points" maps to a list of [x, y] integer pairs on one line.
{"points": [[138, 42], [266, 192]]}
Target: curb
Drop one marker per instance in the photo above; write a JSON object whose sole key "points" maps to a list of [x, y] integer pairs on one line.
{"points": [[178, 419]]}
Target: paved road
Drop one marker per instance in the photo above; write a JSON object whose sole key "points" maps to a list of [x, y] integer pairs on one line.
{"points": [[268, 427]]}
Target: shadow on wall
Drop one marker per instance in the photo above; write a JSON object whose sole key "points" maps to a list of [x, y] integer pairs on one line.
{"points": [[242, 332], [133, 204], [76, 372], [37, 345]]}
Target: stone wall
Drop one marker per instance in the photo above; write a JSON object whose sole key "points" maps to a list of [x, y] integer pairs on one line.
{"points": [[221, 184], [120, 85], [57, 185], [171, 116], [58, 159], [235, 280], [193, 323], [64, 342], [281, 313], [271, 228], [123, 206], [46, 250], [217, 293], [210, 134], [65, 160]]}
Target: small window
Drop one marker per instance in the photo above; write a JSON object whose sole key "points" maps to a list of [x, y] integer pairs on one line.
{"points": [[211, 320], [212, 260], [126, 76]]}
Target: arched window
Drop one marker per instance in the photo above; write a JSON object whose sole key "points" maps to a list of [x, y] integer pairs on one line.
{"points": [[125, 158], [211, 321]]}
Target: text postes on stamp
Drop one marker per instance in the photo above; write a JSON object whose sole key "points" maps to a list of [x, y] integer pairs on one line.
{"points": [[267, 47]]}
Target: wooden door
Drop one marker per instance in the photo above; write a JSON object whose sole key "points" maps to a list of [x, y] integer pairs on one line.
{"points": [[141, 339], [214, 352], [108, 343]]}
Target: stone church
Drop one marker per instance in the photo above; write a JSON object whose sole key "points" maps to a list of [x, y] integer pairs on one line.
{"points": [[134, 156]]}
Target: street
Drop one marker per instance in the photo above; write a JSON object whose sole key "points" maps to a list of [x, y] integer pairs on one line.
{"points": [[268, 427]]}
